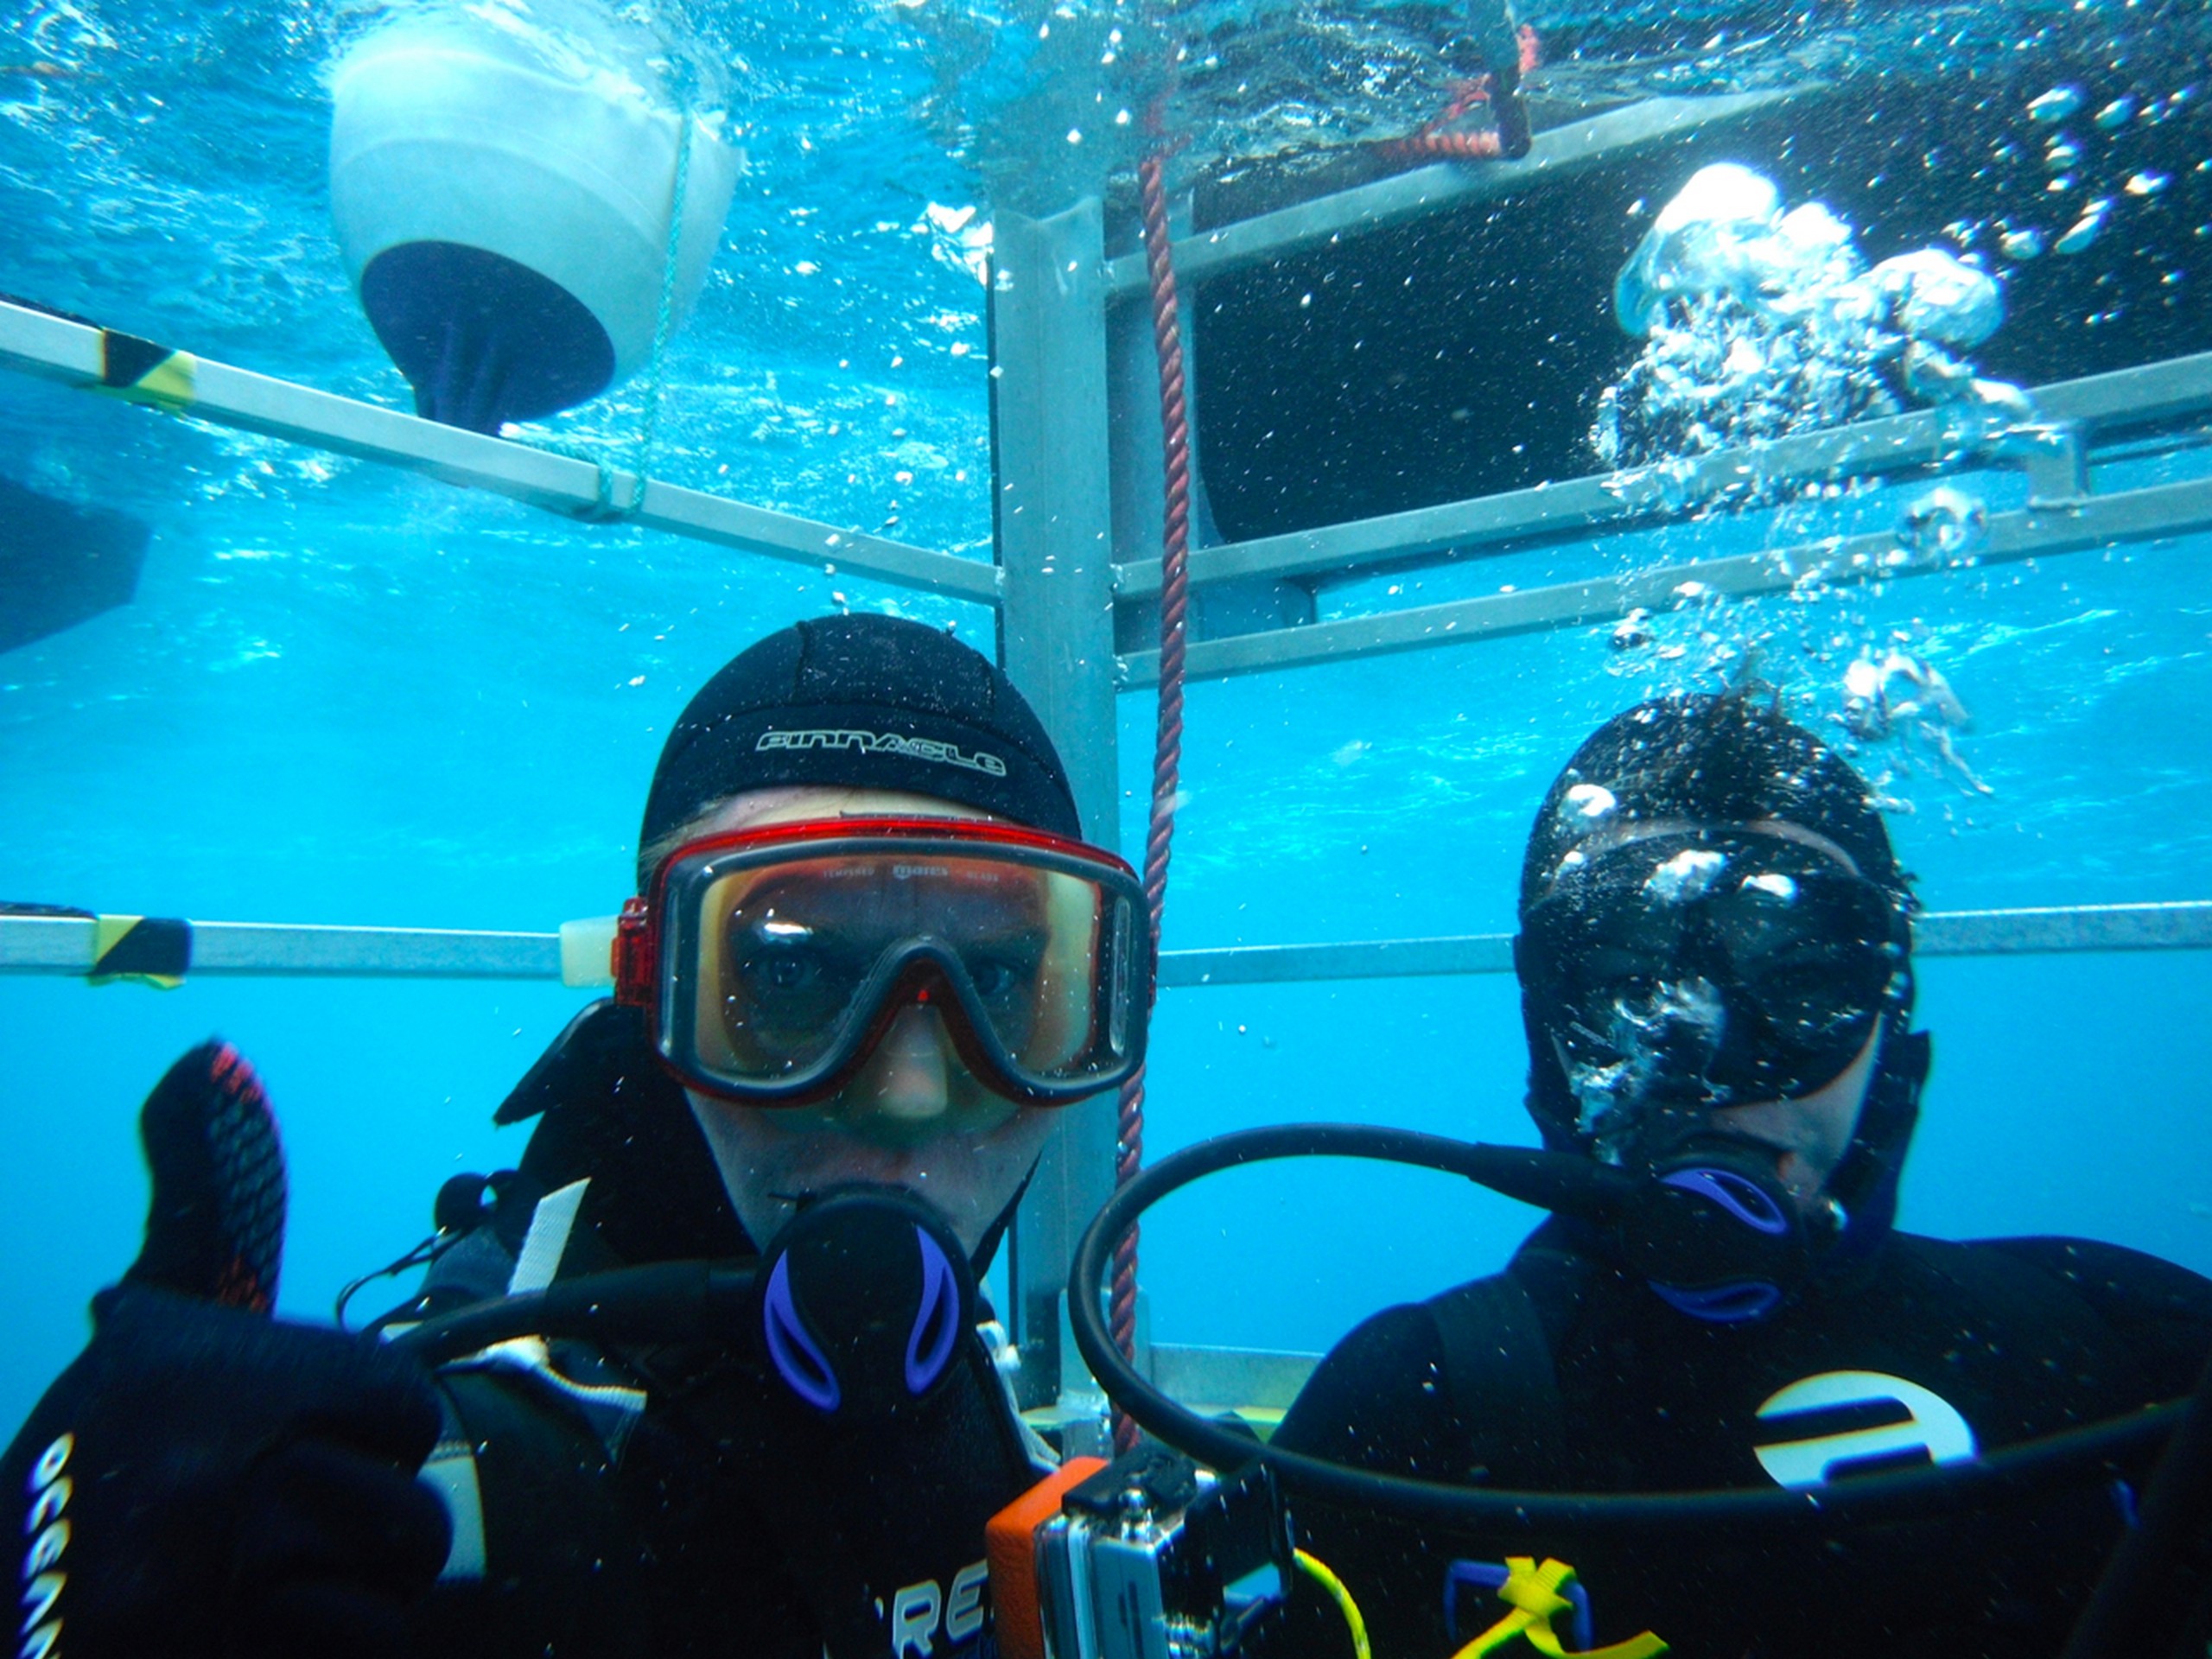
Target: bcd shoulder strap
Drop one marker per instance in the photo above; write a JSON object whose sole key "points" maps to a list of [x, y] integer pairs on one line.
{"points": [[1498, 1373]]}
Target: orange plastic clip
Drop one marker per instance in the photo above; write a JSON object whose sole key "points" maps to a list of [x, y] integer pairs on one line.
{"points": [[1010, 1543]]}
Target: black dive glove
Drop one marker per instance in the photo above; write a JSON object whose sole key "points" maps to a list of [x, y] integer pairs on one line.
{"points": [[205, 1482]]}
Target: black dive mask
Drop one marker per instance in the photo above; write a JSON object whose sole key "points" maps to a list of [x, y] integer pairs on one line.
{"points": [[1688, 971], [865, 1298]]}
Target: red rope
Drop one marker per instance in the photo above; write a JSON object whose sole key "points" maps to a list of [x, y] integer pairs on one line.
{"points": [[1174, 607], [1509, 136], [1481, 146], [1167, 752]]}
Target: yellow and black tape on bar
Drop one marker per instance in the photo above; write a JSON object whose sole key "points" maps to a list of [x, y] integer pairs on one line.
{"points": [[142, 371], [143, 949]]}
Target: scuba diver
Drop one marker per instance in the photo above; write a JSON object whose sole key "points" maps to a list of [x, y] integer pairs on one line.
{"points": [[870, 956], [1714, 960]]}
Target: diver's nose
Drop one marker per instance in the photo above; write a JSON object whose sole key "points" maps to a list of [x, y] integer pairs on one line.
{"points": [[906, 1084]]}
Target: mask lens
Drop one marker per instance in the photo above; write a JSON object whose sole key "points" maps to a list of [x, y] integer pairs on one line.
{"points": [[781, 967], [1030, 954], [1814, 972], [780, 971], [1736, 969]]}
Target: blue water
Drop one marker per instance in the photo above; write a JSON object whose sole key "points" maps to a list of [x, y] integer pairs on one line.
{"points": [[349, 696]]}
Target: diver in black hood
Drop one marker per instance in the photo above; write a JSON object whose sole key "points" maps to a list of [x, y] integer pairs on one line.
{"points": [[1715, 964], [869, 956]]}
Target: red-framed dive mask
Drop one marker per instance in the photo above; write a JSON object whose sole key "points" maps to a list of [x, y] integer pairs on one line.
{"points": [[771, 962]]}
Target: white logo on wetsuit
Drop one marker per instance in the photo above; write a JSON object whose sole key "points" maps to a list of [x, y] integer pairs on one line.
{"points": [[917, 1611], [1914, 1423], [46, 1525]]}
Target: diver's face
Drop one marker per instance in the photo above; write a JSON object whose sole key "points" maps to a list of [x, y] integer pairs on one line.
{"points": [[913, 1116], [1809, 1130], [1810, 1133]]}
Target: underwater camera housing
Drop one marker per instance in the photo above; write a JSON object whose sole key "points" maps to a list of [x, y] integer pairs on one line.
{"points": [[1148, 1557]]}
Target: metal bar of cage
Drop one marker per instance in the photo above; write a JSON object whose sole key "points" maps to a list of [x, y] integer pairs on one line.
{"points": [[2153, 394], [77, 355], [2084, 523], [67, 946], [1051, 463], [1557, 152], [2183, 925]]}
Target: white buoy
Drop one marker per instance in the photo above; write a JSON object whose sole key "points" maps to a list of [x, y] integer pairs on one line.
{"points": [[507, 225]]}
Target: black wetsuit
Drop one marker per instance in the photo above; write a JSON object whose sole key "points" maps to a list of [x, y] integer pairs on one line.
{"points": [[678, 1501], [1563, 1374]]}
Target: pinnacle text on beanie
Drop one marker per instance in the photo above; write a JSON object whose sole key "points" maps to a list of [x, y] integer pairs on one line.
{"points": [[862, 702]]}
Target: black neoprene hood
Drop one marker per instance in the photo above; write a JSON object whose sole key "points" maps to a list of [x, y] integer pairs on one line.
{"points": [[1713, 760], [862, 702]]}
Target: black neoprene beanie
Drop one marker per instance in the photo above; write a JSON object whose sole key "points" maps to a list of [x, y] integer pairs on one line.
{"points": [[863, 701], [1712, 759]]}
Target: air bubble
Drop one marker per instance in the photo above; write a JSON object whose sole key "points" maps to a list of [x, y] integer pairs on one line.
{"points": [[1687, 875], [2056, 104], [1586, 805], [1946, 524], [2085, 229]]}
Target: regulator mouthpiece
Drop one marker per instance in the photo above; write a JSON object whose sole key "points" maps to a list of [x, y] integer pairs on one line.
{"points": [[1718, 1235], [865, 1297]]}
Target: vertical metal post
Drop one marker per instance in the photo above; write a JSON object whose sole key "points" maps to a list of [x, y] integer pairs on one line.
{"points": [[1053, 511], [1137, 462]]}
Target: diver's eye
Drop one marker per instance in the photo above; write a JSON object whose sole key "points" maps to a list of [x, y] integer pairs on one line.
{"points": [[994, 979], [1003, 968], [787, 971]]}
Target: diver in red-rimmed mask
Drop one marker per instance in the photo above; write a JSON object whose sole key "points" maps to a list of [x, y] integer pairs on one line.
{"points": [[871, 959]]}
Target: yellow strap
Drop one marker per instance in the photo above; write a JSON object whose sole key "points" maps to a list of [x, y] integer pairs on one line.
{"points": [[108, 931], [1318, 1570], [171, 384], [1533, 1592], [146, 372]]}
